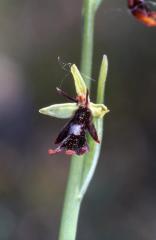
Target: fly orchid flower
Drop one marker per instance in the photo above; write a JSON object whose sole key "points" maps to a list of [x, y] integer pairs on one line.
{"points": [[72, 138]]}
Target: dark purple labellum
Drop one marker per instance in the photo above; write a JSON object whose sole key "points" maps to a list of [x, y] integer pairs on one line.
{"points": [[72, 138]]}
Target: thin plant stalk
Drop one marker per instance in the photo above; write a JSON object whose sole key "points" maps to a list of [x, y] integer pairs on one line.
{"points": [[72, 202], [73, 198], [87, 39]]}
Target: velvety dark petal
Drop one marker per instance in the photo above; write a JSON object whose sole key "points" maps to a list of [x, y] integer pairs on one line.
{"points": [[72, 138], [74, 143], [92, 130], [83, 150], [63, 134]]}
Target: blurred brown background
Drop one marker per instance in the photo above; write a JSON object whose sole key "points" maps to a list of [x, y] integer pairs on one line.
{"points": [[121, 201]]}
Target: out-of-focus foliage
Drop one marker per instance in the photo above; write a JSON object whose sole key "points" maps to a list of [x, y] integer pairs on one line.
{"points": [[121, 202]]}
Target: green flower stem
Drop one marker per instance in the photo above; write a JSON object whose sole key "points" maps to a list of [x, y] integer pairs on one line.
{"points": [[91, 159], [89, 11], [73, 196], [87, 39], [72, 201]]}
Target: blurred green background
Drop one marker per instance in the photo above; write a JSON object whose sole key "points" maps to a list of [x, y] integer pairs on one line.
{"points": [[121, 201]]}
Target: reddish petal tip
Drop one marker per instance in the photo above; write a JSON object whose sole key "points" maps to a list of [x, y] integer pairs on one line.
{"points": [[70, 152], [51, 151]]}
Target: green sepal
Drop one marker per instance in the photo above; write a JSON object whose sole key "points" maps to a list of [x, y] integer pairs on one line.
{"points": [[98, 110], [63, 110], [80, 85]]}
